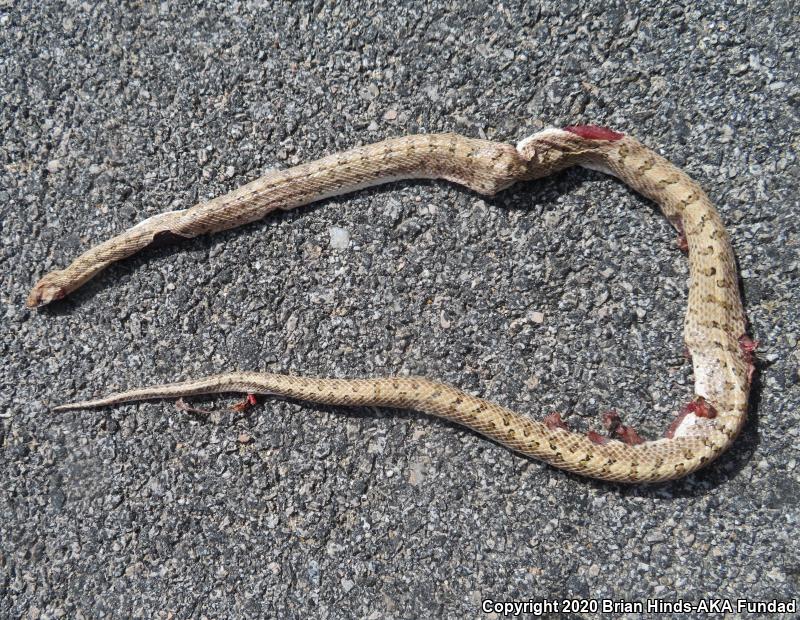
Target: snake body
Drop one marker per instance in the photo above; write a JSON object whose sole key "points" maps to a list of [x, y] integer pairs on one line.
{"points": [[714, 328]]}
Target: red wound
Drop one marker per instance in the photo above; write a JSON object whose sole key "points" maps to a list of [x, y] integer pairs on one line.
{"points": [[246, 403], [683, 244], [596, 438], [553, 421], [595, 132], [613, 423], [701, 408], [748, 345], [629, 436], [675, 424], [611, 420]]}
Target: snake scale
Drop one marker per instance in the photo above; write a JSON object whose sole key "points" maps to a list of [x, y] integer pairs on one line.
{"points": [[714, 327]]}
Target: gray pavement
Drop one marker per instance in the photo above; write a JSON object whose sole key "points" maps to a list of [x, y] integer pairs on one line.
{"points": [[565, 294]]}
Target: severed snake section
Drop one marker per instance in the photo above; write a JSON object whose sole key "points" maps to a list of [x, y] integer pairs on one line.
{"points": [[714, 328]]}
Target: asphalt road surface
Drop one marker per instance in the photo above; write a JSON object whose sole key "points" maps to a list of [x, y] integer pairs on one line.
{"points": [[565, 294]]}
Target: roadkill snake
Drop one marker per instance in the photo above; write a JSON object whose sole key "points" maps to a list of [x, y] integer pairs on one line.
{"points": [[714, 328]]}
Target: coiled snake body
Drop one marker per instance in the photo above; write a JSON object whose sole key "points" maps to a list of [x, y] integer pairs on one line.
{"points": [[714, 328]]}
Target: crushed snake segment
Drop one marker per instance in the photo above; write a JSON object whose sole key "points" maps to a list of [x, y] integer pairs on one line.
{"points": [[714, 331]]}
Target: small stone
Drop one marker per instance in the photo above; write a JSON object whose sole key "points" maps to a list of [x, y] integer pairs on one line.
{"points": [[312, 252], [54, 165], [390, 115], [655, 537], [244, 438], [340, 238], [537, 317], [416, 474]]}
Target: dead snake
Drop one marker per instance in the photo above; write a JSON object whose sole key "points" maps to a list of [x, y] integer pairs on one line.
{"points": [[714, 328]]}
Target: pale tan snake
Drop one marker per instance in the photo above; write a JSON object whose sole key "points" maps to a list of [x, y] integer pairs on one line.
{"points": [[714, 329]]}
